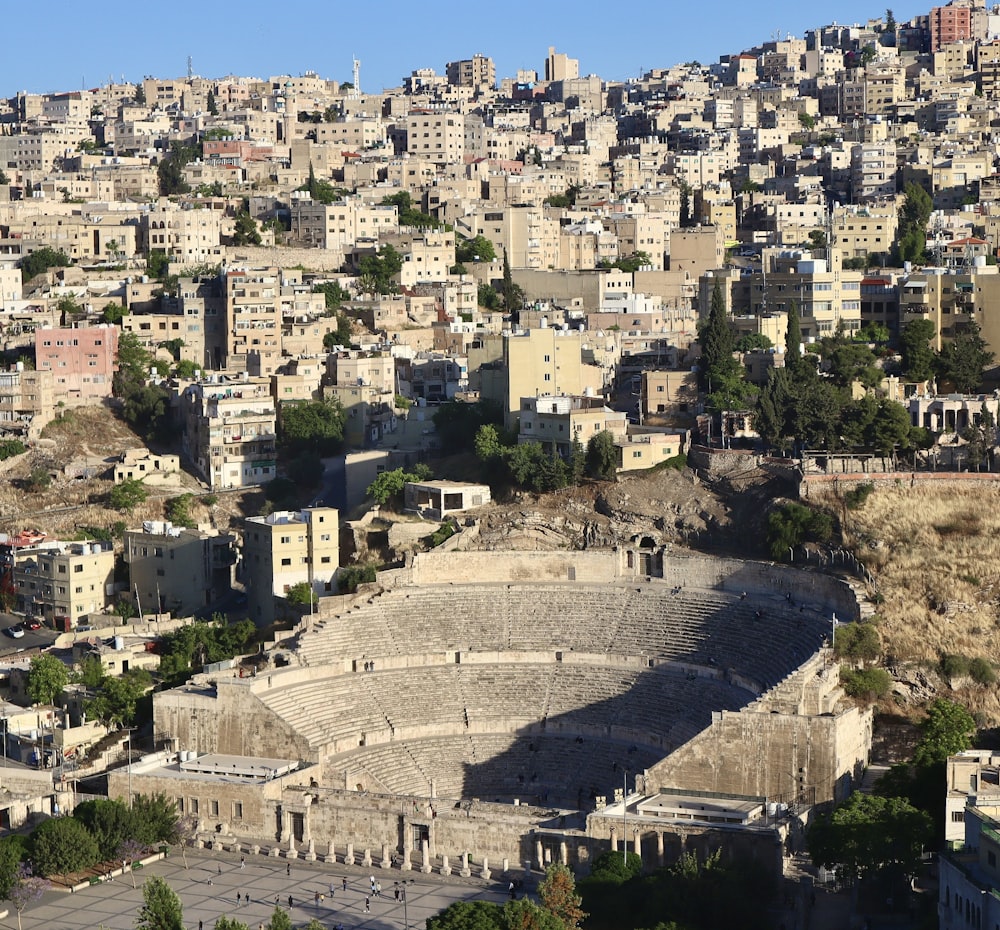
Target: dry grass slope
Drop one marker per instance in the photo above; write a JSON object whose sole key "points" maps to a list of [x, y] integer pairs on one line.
{"points": [[936, 554]]}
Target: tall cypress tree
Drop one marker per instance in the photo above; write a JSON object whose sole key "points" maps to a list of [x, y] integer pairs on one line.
{"points": [[793, 340], [718, 367]]}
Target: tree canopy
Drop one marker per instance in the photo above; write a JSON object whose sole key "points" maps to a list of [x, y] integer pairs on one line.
{"points": [[868, 834], [316, 425], [161, 908], [47, 677]]}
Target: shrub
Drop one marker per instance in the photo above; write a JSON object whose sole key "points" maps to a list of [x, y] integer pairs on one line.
{"points": [[443, 532], [858, 641], [354, 575], [10, 448], [954, 666], [867, 684], [793, 524], [856, 497], [981, 672]]}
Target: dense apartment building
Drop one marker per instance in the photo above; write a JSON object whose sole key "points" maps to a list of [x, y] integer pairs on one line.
{"points": [[477, 71], [64, 582], [229, 430], [252, 320], [286, 548], [82, 361], [176, 569]]}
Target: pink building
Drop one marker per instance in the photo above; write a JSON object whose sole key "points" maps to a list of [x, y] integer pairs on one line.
{"points": [[82, 361]]}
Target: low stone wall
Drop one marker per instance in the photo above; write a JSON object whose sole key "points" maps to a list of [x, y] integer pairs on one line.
{"points": [[906, 479], [596, 566]]}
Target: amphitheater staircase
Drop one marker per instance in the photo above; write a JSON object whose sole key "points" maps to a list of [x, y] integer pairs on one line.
{"points": [[373, 695]]}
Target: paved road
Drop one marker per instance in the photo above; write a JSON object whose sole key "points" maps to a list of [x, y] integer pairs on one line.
{"points": [[208, 893]]}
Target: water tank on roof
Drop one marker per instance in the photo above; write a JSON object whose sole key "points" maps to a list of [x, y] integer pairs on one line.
{"points": [[119, 643]]}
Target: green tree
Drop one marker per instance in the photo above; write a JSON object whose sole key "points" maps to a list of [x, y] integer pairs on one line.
{"points": [[12, 853], [467, 915], [602, 456], [911, 236], [11, 447], [524, 914], [379, 270], [510, 293], [316, 425], [918, 357], [170, 171], [47, 677], [127, 495], [389, 485], [118, 698], [487, 443], [245, 230], [133, 362], [457, 422], [793, 341], [868, 834], [559, 896], [146, 409], [301, 594], [752, 341], [155, 819], [847, 362], [612, 866], [62, 845], [486, 296], [279, 920], [857, 641], [112, 313], [792, 524], [161, 908], [478, 249], [229, 923], [719, 372], [157, 264], [109, 822], [42, 260], [866, 684], [947, 730], [890, 428], [963, 359], [634, 262]]}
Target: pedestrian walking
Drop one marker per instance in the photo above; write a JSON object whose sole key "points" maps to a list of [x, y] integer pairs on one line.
{"points": [[247, 896], [238, 899], [395, 891], [345, 882], [333, 888], [378, 889], [290, 905], [243, 862], [367, 905], [199, 925], [276, 900], [316, 900], [288, 869], [218, 865]]}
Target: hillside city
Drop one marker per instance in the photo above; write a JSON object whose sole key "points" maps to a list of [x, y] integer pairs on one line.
{"points": [[457, 478]]}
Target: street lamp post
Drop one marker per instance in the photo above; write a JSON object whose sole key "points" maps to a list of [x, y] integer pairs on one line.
{"points": [[625, 818]]}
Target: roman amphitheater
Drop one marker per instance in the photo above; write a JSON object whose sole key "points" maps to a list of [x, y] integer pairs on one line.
{"points": [[488, 706]]}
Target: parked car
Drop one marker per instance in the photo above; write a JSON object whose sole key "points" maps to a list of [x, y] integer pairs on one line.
{"points": [[15, 632], [33, 623]]}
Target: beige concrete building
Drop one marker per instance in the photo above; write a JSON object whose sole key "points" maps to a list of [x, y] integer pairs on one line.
{"points": [[253, 320], [476, 72], [149, 467], [64, 582], [543, 362], [340, 225], [27, 400], [229, 430], [286, 548], [556, 421], [178, 570], [436, 500], [436, 135], [187, 235]]}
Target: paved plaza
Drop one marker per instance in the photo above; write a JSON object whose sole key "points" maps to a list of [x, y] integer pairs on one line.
{"points": [[208, 893]]}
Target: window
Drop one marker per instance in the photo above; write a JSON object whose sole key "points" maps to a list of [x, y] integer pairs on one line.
{"points": [[213, 807], [237, 810], [286, 561], [194, 805], [958, 816], [77, 568]]}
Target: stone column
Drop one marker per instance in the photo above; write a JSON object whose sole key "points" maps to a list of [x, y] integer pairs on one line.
{"points": [[637, 843], [445, 867], [505, 864], [614, 840], [292, 852], [563, 853], [310, 855], [349, 857], [331, 853], [539, 855], [659, 849], [407, 865], [367, 861], [425, 851], [386, 862], [465, 871], [485, 873]]}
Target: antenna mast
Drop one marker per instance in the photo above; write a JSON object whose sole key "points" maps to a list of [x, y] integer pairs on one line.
{"points": [[356, 90]]}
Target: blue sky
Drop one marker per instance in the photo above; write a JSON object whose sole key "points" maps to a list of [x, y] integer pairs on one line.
{"points": [[80, 43]]}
